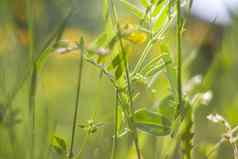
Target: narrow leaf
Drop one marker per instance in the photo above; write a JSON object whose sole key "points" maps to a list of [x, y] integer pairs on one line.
{"points": [[56, 36], [133, 9], [145, 3]]}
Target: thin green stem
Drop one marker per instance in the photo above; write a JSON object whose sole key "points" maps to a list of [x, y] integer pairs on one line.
{"points": [[32, 111], [33, 82], [143, 56], [30, 14], [210, 152], [115, 137], [129, 88], [156, 36], [179, 57], [103, 69], [74, 126], [131, 109]]}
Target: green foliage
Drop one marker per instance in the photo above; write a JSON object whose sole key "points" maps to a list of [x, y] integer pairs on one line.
{"points": [[167, 107], [152, 123], [137, 61], [133, 8], [59, 145], [52, 41], [145, 3]]}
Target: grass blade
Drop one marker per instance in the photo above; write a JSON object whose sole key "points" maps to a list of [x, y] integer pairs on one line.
{"points": [[75, 116]]}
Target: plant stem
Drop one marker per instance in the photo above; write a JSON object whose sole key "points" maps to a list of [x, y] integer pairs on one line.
{"points": [[131, 109], [76, 104], [114, 146], [129, 89], [156, 36], [179, 58], [187, 134], [32, 103], [30, 14], [33, 82], [188, 121]]}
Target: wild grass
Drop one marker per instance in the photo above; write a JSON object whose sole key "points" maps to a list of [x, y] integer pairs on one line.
{"points": [[169, 122]]}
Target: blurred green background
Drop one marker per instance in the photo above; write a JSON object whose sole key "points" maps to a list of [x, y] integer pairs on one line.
{"points": [[58, 79]]}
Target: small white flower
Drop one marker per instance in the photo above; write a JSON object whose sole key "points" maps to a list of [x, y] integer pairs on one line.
{"points": [[61, 50], [207, 97], [192, 83], [102, 51], [216, 118], [197, 79]]}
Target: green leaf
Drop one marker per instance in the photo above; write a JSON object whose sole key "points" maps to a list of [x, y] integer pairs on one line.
{"points": [[155, 1], [162, 16], [145, 3], [170, 73], [167, 107], [158, 7], [157, 68], [156, 61], [100, 41], [46, 50], [152, 123], [105, 9], [59, 145], [116, 61], [133, 9], [118, 72]]}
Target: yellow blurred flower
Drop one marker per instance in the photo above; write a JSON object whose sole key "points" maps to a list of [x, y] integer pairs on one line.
{"points": [[137, 37], [131, 32]]}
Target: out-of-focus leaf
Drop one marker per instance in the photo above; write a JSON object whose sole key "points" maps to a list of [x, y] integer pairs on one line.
{"points": [[155, 61], [162, 17], [167, 107], [105, 9], [112, 42], [139, 78], [155, 67], [133, 9], [152, 123], [116, 61], [155, 1], [172, 77], [59, 145], [44, 53], [123, 133], [118, 72], [145, 3], [158, 66], [158, 7], [100, 41], [170, 71]]}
